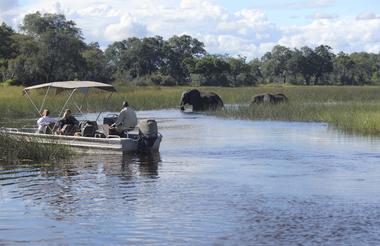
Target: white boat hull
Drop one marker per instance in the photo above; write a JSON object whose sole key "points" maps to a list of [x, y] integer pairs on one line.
{"points": [[89, 144]]}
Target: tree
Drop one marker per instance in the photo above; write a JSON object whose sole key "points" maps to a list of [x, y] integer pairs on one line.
{"points": [[136, 57], [323, 61], [281, 55], [365, 67], [214, 70], [25, 67], [7, 49], [306, 65], [294, 64], [60, 45], [344, 68], [275, 62], [180, 52], [97, 67], [255, 74], [237, 67]]}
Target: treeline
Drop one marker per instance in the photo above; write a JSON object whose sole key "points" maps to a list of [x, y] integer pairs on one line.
{"points": [[51, 48]]}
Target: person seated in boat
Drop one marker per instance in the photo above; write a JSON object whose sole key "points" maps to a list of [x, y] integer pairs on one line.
{"points": [[44, 123], [68, 124], [126, 121]]}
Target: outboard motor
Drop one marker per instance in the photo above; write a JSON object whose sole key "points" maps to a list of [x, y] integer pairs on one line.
{"points": [[148, 132]]}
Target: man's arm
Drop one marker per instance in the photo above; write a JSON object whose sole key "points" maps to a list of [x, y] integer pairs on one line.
{"points": [[121, 118], [75, 121]]}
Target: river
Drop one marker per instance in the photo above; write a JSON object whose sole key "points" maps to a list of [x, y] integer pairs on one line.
{"points": [[215, 182]]}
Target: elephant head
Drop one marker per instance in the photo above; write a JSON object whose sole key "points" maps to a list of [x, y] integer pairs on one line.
{"points": [[200, 100], [190, 97]]}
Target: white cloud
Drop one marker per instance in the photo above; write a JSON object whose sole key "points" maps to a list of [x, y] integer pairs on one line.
{"points": [[367, 16], [248, 23], [99, 10], [321, 15], [309, 4], [127, 27], [343, 35], [6, 5], [248, 32], [7, 11]]}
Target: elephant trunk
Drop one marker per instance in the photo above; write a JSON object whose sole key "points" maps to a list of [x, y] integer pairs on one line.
{"points": [[182, 104]]}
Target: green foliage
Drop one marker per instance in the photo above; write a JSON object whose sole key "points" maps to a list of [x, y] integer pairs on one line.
{"points": [[51, 48], [20, 148], [213, 69], [97, 66]]}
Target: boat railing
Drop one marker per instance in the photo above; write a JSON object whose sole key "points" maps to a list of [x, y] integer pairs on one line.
{"points": [[7, 129]]}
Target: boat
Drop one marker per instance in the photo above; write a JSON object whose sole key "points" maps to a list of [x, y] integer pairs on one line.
{"points": [[144, 138]]}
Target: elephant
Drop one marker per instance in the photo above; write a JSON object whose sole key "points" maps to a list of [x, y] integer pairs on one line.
{"points": [[200, 101], [269, 98]]}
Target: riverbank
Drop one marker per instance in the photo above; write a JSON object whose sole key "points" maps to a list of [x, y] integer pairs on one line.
{"points": [[351, 109]]}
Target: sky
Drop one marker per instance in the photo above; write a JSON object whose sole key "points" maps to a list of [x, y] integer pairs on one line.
{"points": [[234, 27]]}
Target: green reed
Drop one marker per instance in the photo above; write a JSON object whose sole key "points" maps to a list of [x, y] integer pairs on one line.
{"points": [[15, 148], [353, 109]]}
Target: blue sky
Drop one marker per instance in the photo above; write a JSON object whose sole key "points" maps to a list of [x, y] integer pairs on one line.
{"points": [[242, 27], [292, 11]]}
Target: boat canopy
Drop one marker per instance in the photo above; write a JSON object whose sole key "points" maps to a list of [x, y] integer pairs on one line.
{"points": [[72, 85]]}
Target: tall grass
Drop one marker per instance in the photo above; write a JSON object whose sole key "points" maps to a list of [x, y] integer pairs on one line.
{"points": [[13, 104], [21, 148], [353, 109]]}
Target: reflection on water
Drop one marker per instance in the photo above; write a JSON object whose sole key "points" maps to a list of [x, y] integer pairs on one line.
{"points": [[215, 181]]}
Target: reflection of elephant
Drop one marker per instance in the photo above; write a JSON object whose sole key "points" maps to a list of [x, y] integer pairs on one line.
{"points": [[269, 98], [200, 100]]}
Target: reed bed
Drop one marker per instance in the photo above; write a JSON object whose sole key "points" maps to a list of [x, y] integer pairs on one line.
{"points": [[352, 109], [22, 148]]}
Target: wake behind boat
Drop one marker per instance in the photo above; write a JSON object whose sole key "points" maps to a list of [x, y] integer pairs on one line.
{"points": [[90, 136]]}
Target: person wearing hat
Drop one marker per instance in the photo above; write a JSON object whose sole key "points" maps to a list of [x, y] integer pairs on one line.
{"points": [[127, 120]]}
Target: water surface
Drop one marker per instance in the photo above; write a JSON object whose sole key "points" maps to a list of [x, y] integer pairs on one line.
{"points": [[214, 182]]}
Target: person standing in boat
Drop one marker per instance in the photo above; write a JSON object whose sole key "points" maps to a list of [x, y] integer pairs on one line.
{"points": [[68, 124], [44, 122], [127, 120]]}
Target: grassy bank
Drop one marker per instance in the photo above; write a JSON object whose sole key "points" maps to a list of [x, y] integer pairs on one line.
{"points": [[13, 104], [352, 109]]}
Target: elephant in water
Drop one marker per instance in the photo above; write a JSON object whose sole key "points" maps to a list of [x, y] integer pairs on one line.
{"points": [[200, 101], [269, 98]]}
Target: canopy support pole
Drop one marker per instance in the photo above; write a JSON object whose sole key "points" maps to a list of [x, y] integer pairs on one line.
{"points": [[68, 99], [43, 102], [78, 108], [35, 106], [106, 103]]}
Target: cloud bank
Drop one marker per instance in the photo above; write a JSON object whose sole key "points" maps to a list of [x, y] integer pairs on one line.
{"points": [[248, 32]]}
